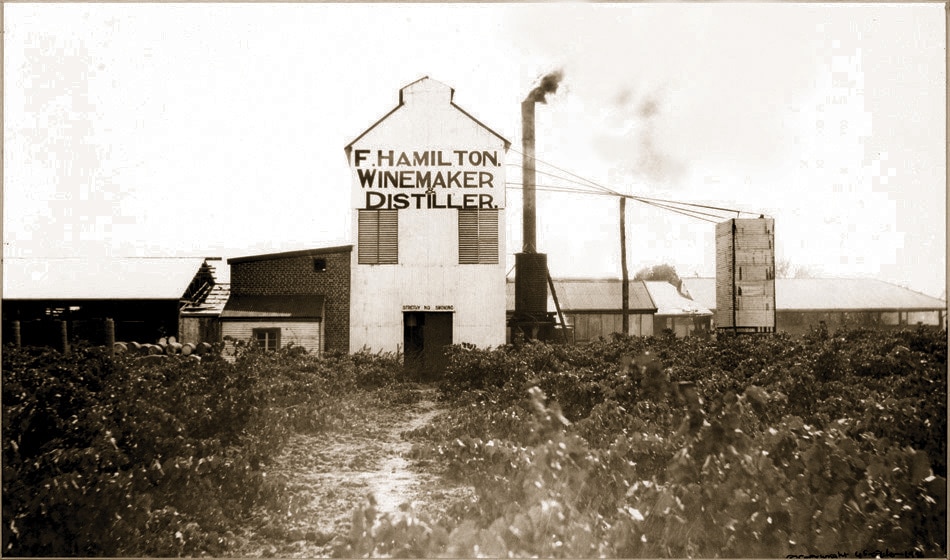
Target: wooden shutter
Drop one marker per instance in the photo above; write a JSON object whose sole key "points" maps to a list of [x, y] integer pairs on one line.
{"points": [[378, 235], [478, 236], [468, 236], [367, 249], [488, 236], [388, 236]]}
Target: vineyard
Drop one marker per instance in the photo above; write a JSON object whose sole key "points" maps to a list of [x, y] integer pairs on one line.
{"points": [[777, 446]]}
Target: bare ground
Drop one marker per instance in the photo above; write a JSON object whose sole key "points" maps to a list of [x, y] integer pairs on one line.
{"points": [[327, 476]]}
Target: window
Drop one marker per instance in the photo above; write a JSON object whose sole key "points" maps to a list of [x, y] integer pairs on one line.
{"points": [[319, 265], [267, 339], [378, 237], [478, 236]]}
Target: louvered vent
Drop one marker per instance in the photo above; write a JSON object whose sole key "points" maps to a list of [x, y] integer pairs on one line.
{"points": [[378, 237], [478, 236]]}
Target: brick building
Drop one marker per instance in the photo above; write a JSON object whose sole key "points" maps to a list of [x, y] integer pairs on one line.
{"points": [[299, 297]]}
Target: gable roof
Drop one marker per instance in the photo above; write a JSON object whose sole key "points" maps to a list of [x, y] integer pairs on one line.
{"points": [[669, 301], [402, 104], [589, 295], [846, 294], [107, 278]]}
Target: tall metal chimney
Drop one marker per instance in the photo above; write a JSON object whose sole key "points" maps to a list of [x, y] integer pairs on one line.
{"points": [[531, 278], [529, 214]]}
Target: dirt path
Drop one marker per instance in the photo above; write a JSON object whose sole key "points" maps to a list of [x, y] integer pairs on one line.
{"points": [[328, 475]]}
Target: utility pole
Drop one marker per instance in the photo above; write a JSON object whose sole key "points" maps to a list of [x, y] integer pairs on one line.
{"points": [[625, 287]]}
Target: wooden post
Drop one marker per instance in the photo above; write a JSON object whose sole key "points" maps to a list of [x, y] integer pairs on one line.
{"points": [[18, 341], [624, 287], [109, 327], [557, 306], [62, 338]]}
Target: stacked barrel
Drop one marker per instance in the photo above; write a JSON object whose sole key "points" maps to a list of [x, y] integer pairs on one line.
{"points": [[165, 346]]}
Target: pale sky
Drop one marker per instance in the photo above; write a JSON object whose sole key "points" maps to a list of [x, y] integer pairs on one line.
{"points": [[218, 130]]}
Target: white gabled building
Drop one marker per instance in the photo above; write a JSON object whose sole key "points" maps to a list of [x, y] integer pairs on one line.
{"points": [[428, 203]]}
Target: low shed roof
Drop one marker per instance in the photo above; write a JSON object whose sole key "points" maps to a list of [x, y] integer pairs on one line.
{"points": [[316, 252], [241, 306], [588, 295], [107, 278], [846, 294], [669, 301]]}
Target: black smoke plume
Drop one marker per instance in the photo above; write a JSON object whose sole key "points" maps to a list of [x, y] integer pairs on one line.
{"points": [[548, 85]]}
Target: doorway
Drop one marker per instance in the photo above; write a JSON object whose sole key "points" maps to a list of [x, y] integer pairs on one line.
{"points": [[425, 336]]}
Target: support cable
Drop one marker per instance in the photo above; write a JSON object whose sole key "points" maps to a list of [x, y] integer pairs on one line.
{"points": [[587, 183]]}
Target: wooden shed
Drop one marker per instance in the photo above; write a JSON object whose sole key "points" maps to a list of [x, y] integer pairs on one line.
{"points": [[806, 303], [142, 296], [676, 312], [592, 307]]}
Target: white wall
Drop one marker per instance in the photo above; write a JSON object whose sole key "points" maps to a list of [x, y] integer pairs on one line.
{"points": [[306, 334], [428, 273]]}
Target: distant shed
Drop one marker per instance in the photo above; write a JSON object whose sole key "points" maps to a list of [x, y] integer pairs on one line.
{"points": [[592, 307], [804, 303], [674, 311]]}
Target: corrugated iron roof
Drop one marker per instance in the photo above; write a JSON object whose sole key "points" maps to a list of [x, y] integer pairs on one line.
{"points": [[213, 303], [591, 295], [107, 278], [241, 306], [669, 301], [828, 294]]}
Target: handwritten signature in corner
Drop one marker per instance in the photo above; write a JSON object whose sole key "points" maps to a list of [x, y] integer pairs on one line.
{"points": [[886, 553]]}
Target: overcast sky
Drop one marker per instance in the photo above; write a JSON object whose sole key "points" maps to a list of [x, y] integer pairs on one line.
{"points": [[218, 130]]}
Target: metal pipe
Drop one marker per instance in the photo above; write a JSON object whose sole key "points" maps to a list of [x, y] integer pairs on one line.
{"points": [[529, 212]]}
